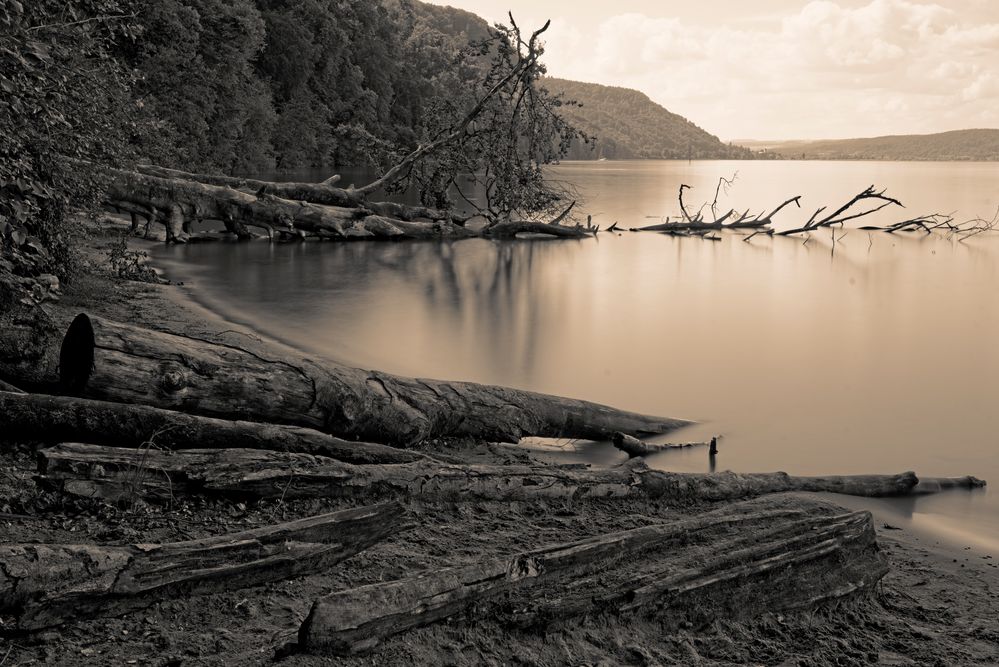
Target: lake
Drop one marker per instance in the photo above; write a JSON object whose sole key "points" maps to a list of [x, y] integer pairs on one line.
{"points": [[878, 354]]}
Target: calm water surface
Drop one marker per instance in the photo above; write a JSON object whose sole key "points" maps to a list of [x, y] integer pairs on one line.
{"points": [[876, 355]]}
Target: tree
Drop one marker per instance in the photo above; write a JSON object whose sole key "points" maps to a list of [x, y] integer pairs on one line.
{"points": [[498, 141], [65, 94]]}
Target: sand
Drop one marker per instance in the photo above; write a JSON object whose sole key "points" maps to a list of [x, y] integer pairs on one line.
{"points": [[938, 605]]}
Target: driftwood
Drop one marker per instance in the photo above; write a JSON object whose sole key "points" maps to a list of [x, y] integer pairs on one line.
{"points": [[634, 447], [323, 192], [10, 389], [141, 366], [177, 202], [53, 419], [697, 225], [116, 473], [838, 217], [505, 230], [44, 585], [738, 562]]}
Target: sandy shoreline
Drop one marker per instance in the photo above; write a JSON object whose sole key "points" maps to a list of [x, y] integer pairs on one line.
{"points": [[937, 605]]}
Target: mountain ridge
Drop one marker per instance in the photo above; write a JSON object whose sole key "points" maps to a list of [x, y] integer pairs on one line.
{"points": [[972, 144]]}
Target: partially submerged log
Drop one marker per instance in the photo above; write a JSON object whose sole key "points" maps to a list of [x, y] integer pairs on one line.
{"points": [[633, 447], [505, 230], [43, 585], [53, 419], [115, 473], [738, 562], [178, 202], [146, 367], [323, 192]]}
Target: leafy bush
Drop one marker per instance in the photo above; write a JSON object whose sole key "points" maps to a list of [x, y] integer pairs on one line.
{"points": [[64, 108]]}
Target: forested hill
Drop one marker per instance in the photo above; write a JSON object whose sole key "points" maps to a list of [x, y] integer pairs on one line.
{"points": [[627, 124], [241, 86], [955, 145]]}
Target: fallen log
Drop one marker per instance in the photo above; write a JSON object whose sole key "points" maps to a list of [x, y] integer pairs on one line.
{"points": [[738, 562], [43, 585], [928, 485], [53, 419], [115, 473], [9, 388], [634, 447], [323, 192], [141, 366], [506, 230], [177, 202]]}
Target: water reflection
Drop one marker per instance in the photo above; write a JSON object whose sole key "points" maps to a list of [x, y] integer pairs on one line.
{"points": [[876, 355]]}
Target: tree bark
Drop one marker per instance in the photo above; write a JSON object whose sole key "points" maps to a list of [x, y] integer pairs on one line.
{"points": [[635, 447], [505, 230], [9, 388], [44, 585], [176, 201], [142, 366], [39, 417], [115, 473], [315, 193], [737, 562]]}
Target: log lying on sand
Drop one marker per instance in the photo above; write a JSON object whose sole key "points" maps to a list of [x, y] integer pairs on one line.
{"points": [[42, 418], [738, 562], [43, 585], [634, 447], [115, 473], [142, 366]]}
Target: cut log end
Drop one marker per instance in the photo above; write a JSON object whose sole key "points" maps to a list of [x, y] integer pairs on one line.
{"points": [[76, 355]]}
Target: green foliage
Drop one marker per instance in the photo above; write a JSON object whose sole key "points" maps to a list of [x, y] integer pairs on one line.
{"points": [[628, 125], [64, 106]]}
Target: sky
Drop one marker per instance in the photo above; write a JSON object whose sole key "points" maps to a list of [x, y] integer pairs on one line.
{"points": [[781, 69]]}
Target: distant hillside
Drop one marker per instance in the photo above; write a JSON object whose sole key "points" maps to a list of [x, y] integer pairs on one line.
{"points": [[956, 145], [628, 124]]}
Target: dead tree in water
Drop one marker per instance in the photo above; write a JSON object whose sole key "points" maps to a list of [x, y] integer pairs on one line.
{"points": [[696, 225]]}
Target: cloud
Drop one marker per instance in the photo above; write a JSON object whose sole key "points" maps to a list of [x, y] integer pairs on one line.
{"points": [[823, 70]]}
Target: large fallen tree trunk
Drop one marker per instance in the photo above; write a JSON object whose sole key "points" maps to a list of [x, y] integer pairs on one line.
{"points": [[43, 585], [115, 473], [43, 418], [737, 562], [177, 202], [323, 192], [142, 366]]}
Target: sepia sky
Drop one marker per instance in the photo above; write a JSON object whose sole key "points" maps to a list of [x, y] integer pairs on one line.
{"points": [[782, 69]]}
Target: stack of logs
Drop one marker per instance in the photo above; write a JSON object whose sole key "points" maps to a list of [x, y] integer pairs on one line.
{"points": [[159, 415]]}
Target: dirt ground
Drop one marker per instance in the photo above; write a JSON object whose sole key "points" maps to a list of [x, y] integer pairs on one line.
{"points": [[939, 604]]}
